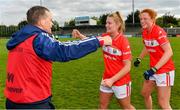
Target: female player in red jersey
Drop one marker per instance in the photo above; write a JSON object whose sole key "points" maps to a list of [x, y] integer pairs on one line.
{"points": [[161, 72], [117, 59]]}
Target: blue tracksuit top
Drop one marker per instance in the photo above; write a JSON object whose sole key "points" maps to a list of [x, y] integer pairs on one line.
{"points": [[50, 49]]}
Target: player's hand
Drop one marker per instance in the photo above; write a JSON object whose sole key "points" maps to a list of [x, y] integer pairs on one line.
{"points": [[149, 73], [137, 62], [107, 40], [77, 34], [107, 82]]}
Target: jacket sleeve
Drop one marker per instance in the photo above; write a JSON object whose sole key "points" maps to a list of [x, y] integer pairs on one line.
{"points": [[53, 50]]}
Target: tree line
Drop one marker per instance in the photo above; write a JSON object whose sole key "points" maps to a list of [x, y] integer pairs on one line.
{"points": [[6, 31], [166, 20]]}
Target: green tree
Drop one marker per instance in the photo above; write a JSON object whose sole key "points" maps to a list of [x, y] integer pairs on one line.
{"points": [[179, 22], [55, 26], [70, 23], [11, 29], [136, 17], [3, 31], [169, 19], [97, 19], [159, 21], [22, 24], [6, 31], [102, 19]]}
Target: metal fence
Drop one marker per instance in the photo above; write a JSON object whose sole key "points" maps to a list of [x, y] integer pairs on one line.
{"points": [[173, 31]]}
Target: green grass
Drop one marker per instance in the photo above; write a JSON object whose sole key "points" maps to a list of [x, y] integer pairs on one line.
{"points": [[76, 83]]}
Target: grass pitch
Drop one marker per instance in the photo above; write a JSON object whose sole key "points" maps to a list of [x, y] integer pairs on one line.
{"points": [[75, 84]]}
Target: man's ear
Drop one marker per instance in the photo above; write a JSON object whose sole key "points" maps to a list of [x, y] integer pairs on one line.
{"points": [[41, 22]]}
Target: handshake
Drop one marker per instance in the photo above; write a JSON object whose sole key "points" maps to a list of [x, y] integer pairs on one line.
{"points": [[106, 40], [148, 73]]}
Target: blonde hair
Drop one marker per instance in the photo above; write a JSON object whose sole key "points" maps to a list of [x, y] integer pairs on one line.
{"points": [[151, 12], [118, 20]]}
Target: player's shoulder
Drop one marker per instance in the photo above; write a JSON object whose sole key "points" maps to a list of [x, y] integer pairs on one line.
{"points": [[123, 38], [122, 41], [159, 31], [105, 34]]}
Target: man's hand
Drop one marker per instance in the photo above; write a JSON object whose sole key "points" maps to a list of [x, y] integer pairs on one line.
{"points": [[137, 62], [149, 73], [107, 40], [77, 34]]}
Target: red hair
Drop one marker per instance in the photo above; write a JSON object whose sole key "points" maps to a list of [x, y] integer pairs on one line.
{"points": [[151, 12]]}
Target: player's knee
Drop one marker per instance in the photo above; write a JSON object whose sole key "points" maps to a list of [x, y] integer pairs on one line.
{"points": [[145, 94], [127, 106], [103, 105], [163, 103]]}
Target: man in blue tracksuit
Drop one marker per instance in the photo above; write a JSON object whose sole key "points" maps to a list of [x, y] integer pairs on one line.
{"points": [[31, 53]]}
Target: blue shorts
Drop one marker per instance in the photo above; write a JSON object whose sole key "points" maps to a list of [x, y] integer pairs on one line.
{"points": [[45, 104]]}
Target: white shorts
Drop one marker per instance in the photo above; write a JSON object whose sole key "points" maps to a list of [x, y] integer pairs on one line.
{"points": [[165, 79], [119, 91]]}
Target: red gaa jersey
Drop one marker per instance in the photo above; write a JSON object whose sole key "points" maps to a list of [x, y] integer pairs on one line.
{"points": [[113, 59], [153, 42]]}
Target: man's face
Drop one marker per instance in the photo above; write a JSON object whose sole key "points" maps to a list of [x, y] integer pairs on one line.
{"points": [[46, 22]]}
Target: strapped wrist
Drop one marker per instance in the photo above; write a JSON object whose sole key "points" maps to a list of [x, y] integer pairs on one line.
{"points": [[154, 69], [139, 59]]}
